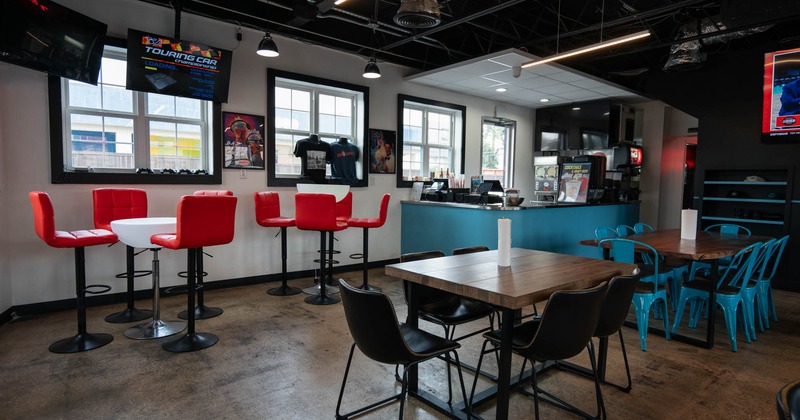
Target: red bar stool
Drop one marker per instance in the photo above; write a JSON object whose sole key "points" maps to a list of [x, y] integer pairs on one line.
{"points": [[202, 220], [344, 210], [368, 223], [268, 214], [202, 311], [114, 204], [318, 212], [44, 222]]}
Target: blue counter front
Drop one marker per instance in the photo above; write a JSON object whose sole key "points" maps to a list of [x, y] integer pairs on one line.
{"points": [[445, 226]]}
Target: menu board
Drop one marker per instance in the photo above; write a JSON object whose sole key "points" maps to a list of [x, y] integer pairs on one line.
{"points": [[178, 68], [574, 183]]}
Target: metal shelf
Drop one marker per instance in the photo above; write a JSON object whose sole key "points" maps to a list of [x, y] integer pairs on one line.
{"points": [[755, 221], [780, 183], [745, 200]]}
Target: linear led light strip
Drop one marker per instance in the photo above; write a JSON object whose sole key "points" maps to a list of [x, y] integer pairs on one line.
{"points": [[593, 47]]}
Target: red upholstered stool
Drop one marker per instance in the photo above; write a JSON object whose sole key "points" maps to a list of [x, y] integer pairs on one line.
{"points": [[368, 223], [202, 220], [344, 210], [44, 222], [318, 212], [202, 311], [268, 214], [114, 204]]}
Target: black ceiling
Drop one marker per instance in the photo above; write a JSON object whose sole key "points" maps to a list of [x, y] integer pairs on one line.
{"points": [[473, 28]]}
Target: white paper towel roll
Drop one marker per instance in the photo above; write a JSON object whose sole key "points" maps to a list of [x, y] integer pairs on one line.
{"points": [[504, 242], [689, 224]]}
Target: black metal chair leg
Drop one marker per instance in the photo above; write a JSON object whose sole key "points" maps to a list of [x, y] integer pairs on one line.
{"points": [[193, 340], [130, 313], [322, 298], [201, 311], [365, 261], [284, 289]]}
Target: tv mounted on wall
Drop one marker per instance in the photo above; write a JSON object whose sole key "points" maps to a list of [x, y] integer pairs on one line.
{"points": [[159, 64], [781, 100], [45, 36]]}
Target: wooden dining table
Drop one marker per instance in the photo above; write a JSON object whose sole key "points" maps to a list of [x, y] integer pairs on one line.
{"points": [[708, 247], [532, 277]]}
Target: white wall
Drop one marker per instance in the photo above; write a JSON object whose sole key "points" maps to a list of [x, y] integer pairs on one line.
{"points": [[31, 271], [676, 128], [652, 136]]}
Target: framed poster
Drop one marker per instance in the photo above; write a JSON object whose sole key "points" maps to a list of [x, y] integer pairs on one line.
{"points": [[243, 139], [382, 157], [574, 185]]}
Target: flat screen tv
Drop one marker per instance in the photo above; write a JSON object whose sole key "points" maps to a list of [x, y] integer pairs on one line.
{"points": [[176, 67], [781, 100], [45, 36]]}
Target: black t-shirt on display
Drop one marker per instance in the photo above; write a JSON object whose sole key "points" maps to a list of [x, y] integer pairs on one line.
{"points": [[314, 155]]}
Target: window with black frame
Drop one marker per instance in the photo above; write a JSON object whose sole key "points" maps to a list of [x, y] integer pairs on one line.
{"points": [[306, 109], [108, 134], [431, 138]]}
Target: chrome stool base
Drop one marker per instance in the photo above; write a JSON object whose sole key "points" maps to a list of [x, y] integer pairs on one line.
{"points": [[81, 342], [191, 342], [155, 329]]}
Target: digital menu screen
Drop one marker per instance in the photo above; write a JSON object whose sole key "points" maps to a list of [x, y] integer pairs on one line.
{"points": [[174, 67], [781, 102]]}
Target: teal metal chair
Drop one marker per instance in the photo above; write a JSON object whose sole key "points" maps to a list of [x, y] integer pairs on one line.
{"points": [[680, 272], [731, 292], [651, 287], [605, 232], [625, 230], [764, 300], [724, 229], [642, 227]]}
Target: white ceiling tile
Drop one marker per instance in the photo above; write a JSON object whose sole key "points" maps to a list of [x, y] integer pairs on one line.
{"points": [[566, 77], [537, 82], [581, 95], [558, 89], [483, 67], [588, 83]]}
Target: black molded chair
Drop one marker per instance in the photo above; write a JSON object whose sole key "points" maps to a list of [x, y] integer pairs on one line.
{"points": [[470, 250], [376, 331], [789, 401], [616, 305], [566, 327]]}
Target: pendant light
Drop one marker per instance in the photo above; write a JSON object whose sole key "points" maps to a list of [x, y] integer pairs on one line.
{"points": [[267, 47], [371, 71]]}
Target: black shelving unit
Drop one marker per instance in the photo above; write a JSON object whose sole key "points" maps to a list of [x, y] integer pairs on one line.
{"points": [[762, 206]]}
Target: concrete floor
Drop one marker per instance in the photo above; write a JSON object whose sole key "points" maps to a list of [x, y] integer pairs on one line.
{"points": [[280, 358]]}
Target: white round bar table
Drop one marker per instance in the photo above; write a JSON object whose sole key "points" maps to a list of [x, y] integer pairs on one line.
{"points": [[136, 233], [339, 191]]}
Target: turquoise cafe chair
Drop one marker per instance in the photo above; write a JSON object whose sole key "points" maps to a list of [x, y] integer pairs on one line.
{"points": [[765, 304], [724, 229], [651, 288]]}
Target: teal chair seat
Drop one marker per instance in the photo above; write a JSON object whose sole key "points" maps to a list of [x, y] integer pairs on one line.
{"points": [[651, 288], [733, 290]]}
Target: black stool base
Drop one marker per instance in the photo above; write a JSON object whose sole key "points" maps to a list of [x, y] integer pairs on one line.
{"points": [[129, 315], [322, 300], [191, 342], [283, 290], [201, 312], [81, 342], [370, 288]]}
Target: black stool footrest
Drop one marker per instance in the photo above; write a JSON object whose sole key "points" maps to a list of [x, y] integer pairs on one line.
{"points": [[136, 273], [183, 274], [358, 256], [103, 288], [327, 261], [179, 290]]}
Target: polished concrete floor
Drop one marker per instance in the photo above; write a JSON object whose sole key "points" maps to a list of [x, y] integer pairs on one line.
{"points": [[280, 358]]}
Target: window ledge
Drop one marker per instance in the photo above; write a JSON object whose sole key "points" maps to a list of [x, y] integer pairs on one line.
{"points": [[69, 177]]}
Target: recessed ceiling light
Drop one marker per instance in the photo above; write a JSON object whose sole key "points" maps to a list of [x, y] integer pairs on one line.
{"points": [[501, 89], [544, 100], [576, 108]]}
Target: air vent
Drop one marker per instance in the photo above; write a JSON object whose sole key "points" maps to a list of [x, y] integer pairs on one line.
{"points": [[418, 14]]}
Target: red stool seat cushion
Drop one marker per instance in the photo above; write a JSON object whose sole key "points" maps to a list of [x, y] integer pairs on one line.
{"points": [[44, 222], [117, 203], [372, 222], [268, 210], [202, 220], [317, 212]]}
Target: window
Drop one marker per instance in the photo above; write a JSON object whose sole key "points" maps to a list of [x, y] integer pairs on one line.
{"points": [[431, 138], [304, 105], [497, 150], [105, 133]]}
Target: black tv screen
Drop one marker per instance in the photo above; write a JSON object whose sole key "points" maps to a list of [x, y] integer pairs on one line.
{"points": [[178, 68], [43, 35]]}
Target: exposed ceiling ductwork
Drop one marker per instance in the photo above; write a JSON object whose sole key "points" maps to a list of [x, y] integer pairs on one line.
{"points": [[418, 14]]}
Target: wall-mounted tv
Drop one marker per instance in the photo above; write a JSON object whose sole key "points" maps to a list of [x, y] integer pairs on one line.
{"points": [[178, 68], [781, 101], [45, 36]]}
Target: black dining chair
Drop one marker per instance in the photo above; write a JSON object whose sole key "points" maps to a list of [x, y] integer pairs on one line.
{"points": [[446, 309], [565, 328], [470, 249], [377, 333], [789, 401], [616, 305]]}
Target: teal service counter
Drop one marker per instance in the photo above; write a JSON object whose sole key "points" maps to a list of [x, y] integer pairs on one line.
{"points": [[556, 228]]}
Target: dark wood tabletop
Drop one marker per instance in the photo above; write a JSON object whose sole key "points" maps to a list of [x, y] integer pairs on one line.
{"points": [[707, 245], [532, 277]]}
